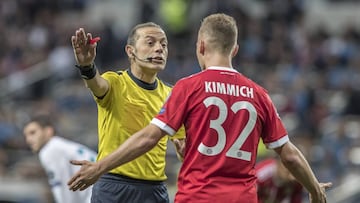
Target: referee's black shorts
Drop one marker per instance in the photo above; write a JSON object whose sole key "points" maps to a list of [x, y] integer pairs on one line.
{"points": [[113, 188]]}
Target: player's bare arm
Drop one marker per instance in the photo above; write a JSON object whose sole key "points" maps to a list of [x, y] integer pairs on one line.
{"points": [[139, 143], [84, 46], [296, 163]]}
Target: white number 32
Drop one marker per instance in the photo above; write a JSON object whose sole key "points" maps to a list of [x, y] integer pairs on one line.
{"points": [[235, 149]]}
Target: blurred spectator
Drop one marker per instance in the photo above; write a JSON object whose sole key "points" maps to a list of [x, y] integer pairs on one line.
{"points": [[338, 139]]}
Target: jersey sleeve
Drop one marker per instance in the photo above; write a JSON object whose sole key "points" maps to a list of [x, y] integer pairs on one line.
{"points": [[275, 134], [112, 78], [172, 114]]}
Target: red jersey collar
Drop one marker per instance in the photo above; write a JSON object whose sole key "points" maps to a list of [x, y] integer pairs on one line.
{"points": [[221, 68]]}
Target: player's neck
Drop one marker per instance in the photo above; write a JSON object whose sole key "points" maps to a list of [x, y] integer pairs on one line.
{"points": [[218, 60]]}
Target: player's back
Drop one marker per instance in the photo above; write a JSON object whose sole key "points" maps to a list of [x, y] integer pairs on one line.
{"points": [[223, 120], [223, 126]]}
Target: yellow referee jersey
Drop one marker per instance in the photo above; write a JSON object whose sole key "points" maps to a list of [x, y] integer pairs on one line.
{"points": [[128, 106]]}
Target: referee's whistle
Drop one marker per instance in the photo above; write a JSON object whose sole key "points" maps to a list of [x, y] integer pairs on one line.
{"points": [[94, 40]]}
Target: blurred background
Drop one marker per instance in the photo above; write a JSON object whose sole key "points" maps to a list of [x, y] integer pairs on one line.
{"points": [[306, 53]]}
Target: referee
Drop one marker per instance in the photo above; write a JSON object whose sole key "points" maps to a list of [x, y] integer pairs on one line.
{"points": [[127, 101]]}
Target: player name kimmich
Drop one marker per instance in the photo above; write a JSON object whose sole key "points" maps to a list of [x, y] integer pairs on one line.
{"points": [[229, 89]]}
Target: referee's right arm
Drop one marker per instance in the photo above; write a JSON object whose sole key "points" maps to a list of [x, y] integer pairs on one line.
{"points": [[85, 53]]}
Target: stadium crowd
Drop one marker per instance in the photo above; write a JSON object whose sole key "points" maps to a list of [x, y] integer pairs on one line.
{"points": [[312, 76]]}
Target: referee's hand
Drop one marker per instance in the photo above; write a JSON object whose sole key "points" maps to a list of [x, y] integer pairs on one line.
{"points": [[85, 177], [84, 47], [180, 148]]}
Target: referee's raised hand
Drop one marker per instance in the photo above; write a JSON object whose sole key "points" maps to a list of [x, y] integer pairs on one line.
{"points": [[84, 47]]}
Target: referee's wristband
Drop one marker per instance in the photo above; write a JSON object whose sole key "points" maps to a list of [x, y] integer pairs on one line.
{"points": [[87, 72]]}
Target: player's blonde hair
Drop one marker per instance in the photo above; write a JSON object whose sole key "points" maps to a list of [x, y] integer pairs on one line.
{"points": [[220, 31]]}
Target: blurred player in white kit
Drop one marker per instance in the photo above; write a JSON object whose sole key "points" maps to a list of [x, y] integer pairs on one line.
{"points": [[55, 153]]}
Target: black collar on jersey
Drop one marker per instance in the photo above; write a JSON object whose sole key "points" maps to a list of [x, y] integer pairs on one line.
{"points": [[145, 85]]}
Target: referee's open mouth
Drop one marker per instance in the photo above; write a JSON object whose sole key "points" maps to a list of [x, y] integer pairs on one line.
{"points": [[157, 59]]}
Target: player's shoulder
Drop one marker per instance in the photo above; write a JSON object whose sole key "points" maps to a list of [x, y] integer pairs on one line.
{"points": [[253, 83], [54, 147], [259, 90], [192, 79]]}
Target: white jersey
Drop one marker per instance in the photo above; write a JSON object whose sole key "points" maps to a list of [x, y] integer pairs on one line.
{"points": [[55, 157]]}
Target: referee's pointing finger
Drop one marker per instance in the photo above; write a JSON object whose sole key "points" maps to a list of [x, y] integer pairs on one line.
{"points": [[78, 163]]}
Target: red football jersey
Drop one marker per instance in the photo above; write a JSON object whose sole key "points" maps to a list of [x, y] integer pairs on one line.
{"points": [[271, 189], [224, 114]]}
